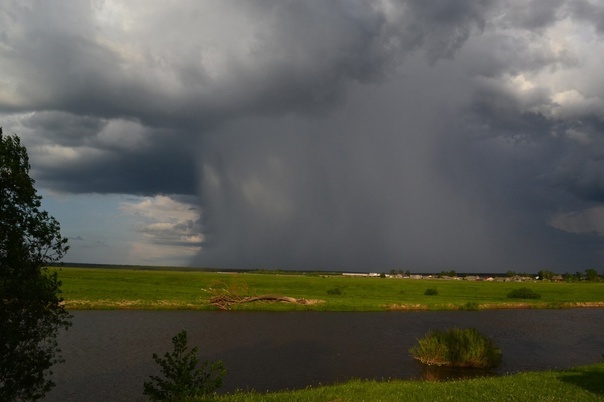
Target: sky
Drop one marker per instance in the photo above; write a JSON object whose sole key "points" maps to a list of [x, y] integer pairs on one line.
{"points": [[314, 135]]}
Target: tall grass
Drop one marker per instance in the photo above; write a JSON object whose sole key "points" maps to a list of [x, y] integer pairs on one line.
{"points": [[457, 348]]}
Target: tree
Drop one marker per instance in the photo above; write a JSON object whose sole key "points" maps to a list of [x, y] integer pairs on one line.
{"points": [[545, 275], [184, 377], [591, 274], [31, 309]]}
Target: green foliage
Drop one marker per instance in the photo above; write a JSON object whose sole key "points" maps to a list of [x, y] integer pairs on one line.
{"points": [[457, 348], [545, 275], [31, 309], [431, 292], [183, 378], [334, 291], [591, 275], [523, 293]]}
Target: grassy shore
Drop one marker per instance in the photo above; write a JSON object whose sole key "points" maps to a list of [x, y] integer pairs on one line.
{"points": [[92, 288], [576, 384]]}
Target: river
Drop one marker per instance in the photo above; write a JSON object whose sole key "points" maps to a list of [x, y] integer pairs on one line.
{"points": [[109, 353]]}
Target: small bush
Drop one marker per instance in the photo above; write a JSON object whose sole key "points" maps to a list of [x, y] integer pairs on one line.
{"points": [[457, 348], [183, 378], [472, 306], [431, 292], [523, 293], [334, 291]]}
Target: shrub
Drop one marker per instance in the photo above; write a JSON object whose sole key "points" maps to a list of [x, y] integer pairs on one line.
{"points": [[431, 292], [183, 378], [523, 293], [334, 291], [457, 348], [470, 306]]}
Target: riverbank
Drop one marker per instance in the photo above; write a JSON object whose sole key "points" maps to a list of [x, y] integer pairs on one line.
{"points": [[576, 384], [127, 289]]}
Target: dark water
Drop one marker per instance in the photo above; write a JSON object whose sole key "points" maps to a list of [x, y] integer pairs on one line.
{"points": [[108, 353]]}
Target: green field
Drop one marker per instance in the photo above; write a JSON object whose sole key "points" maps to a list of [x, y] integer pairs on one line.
{"points": [[94, 288], [577, 384]]}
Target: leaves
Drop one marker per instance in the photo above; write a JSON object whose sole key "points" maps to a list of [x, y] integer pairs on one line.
{"points": [[31, 310]]}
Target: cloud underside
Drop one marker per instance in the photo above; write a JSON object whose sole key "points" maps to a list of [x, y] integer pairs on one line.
{"points": [[393, 134]]}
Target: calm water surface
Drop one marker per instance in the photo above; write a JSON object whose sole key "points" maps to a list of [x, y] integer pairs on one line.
{"points": [[108, 353]]}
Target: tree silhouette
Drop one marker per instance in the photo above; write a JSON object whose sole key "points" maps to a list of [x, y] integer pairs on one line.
{"points": [[31, 309]]}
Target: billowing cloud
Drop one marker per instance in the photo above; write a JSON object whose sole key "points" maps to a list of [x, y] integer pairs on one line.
{"points": [[342, 135], [169, 229]]}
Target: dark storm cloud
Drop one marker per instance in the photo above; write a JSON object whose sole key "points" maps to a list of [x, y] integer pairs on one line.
{"points": [[342, 194], [325, 134], [440, 27], [66, 66], [533, 14], [590, 11]]}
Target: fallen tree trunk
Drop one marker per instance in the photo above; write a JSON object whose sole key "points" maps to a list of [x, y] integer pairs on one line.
{"points": [[224, 302]]}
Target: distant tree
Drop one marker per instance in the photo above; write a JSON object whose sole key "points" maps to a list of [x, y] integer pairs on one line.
{"points": [[569, 277], [31, 309], [510, 274], [591, 275], [545, 275]]}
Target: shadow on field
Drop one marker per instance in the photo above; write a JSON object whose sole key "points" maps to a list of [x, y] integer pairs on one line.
{"points": [[591, 379]]}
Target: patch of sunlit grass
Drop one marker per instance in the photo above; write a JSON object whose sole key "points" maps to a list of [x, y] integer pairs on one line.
{"points": [[577, 384]]}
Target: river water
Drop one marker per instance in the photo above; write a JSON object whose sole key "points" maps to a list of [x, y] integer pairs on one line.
{"points": [[109, 353]]}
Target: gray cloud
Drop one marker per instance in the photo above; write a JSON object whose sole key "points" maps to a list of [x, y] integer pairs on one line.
{"points": [[79, 76], [348, 135]]}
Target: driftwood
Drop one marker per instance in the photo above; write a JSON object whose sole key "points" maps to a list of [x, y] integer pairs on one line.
{"points": [[225, 301]]}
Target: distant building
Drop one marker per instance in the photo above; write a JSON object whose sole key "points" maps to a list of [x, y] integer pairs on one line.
{"points": [[371, 274]]}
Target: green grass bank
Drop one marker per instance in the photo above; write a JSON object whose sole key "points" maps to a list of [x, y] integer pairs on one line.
{"points": [[94, 288], [577, 384]]}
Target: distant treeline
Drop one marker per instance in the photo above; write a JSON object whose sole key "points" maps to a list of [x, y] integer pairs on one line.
{"points": [[588, 274]]}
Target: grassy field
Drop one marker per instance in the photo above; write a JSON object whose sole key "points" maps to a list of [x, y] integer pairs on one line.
{"points": [[577, 384], [92, 288]]}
